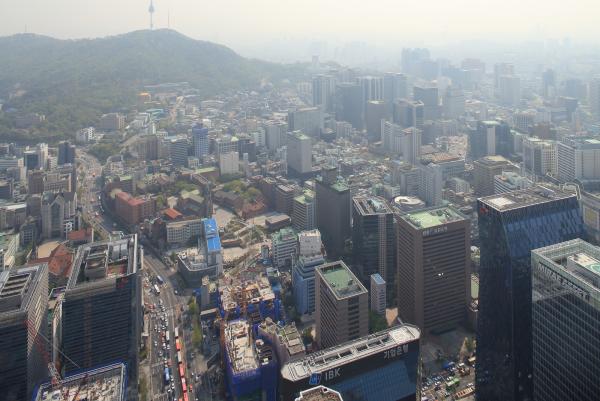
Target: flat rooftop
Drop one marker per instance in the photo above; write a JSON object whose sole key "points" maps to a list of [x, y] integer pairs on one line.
{"points": [[340, 280], [319, 393], [531, 196], [371, 205], [211, 232], [101, 384], [428, 218], [378, 279], [239, 347], [16, 287], [576, 260], [350, 352], [106, 260]]}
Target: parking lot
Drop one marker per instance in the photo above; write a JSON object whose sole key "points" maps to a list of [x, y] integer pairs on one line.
{"points": [[455, 382]]}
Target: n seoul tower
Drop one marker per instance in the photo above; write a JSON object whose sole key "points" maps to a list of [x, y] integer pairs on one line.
{"points": [[151, 11]]}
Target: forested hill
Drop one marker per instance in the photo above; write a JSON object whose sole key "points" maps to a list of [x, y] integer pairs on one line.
{"points": [[72, 82]]}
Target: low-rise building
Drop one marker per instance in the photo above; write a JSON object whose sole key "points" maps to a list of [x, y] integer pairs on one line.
{"points": [[206, 259]]}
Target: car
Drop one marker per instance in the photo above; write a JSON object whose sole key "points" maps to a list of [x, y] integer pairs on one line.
{"points": [[155, 344]]}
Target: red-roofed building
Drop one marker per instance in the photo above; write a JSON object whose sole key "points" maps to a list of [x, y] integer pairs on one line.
{"points": [[80, 237], [134, 210], [60, 263], [172, 214]]}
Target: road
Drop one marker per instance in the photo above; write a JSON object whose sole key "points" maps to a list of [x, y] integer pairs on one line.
{"points": [[162, 319]]}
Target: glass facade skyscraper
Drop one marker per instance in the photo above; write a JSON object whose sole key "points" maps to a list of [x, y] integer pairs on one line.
{"points": [[511, 225], [566, 321]]}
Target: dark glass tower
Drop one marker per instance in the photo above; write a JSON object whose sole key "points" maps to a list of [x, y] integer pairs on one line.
{"points": [[511, 225], [373, 239]]}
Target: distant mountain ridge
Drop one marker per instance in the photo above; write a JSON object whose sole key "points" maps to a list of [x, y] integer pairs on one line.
{"points": [[77, 80]]}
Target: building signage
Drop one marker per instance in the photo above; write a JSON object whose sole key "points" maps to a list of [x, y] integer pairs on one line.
{"points": [[435, 230], [553, 275]]}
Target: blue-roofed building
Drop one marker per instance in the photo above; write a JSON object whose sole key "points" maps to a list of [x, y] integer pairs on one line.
{"points": [[206, 259]]}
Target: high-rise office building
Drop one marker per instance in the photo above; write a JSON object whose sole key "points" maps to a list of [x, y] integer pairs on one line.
{"points": [[509, 90], [373, 241], [376, 111], [433, 265], [565, 321], [395, 87], [540, 156], [453, 102], [310, 256], [484, 171], [524, 120], [323, 91], [102, 307], [284, 247], [408, 113], [511, 225], [372, 88], [578, 158], [309, 120], [178, 150], [66, 153], [303, 211], [490, 138], [430, 182], [333, 210], [348, 104], [299, 153], [378, 291], [23, 331], [275, 132], [342, 305], [383, 366], [594, 97], [502, 69], [429, 96], [200, 140]]}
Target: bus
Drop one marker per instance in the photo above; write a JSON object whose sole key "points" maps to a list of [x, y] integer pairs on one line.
{"points": [[176, 332], [156, 289], [167, 336], [160, 280], [452, 384], [177, 345], [183, 385], [167, 378], [179, 357], [181, 371]]}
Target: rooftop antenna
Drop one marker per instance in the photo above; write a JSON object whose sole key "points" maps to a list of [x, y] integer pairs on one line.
{"points": [[151, 11]]}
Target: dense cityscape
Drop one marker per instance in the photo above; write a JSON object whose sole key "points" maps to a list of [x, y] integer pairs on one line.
{"points": [[324, 232]]}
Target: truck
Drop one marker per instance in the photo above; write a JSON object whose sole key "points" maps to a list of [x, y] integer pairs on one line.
{"points": [[160, 280], [167, 376], [156, 289]]}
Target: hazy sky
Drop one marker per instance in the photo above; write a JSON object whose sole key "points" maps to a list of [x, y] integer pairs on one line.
{"points": [[238, 23]]}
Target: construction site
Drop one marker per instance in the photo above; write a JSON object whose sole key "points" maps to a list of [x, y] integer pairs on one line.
{"points": [[107, 383]]}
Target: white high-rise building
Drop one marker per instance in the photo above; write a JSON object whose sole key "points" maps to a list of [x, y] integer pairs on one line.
{"points": [[509, 90], [377, 292], [594, 97], [229, 163], [578, 158], [275, 132], [309, 243], [454, 102], [299, 152]]}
